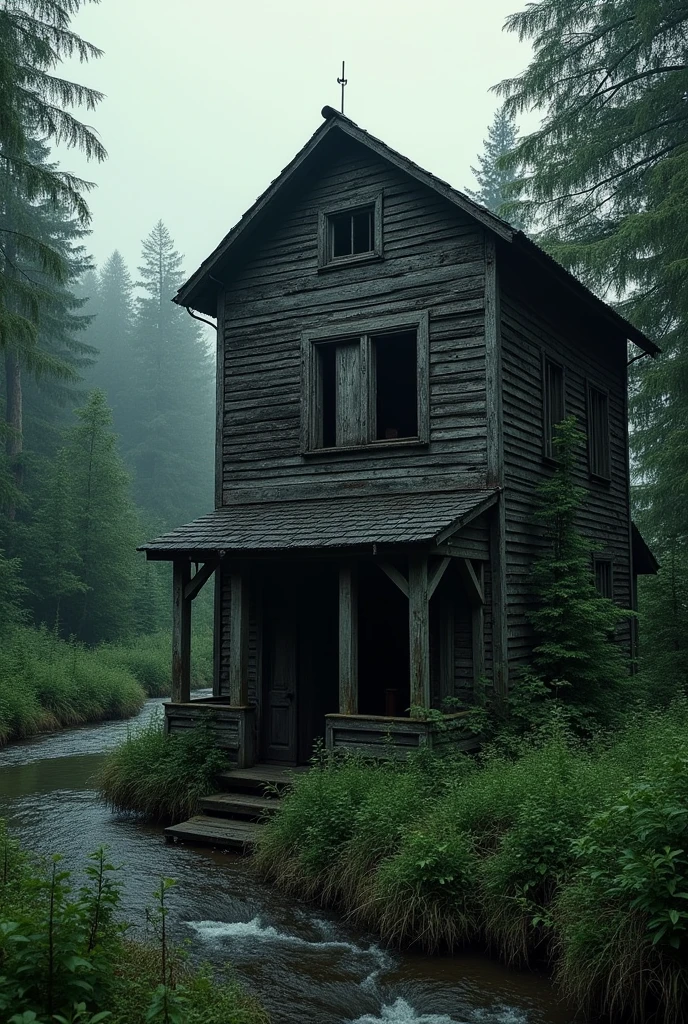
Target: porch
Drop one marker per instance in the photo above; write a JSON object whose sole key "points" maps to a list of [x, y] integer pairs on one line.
{"points": [[353, 646]]}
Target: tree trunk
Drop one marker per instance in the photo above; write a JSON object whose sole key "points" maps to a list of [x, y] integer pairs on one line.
{"points": [[15, 421]]}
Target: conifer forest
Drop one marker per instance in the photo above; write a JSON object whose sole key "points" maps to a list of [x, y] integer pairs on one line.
{"points": [[524, 811]]}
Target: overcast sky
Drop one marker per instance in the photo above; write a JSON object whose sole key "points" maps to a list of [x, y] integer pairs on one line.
{"points": [[207, 100]]}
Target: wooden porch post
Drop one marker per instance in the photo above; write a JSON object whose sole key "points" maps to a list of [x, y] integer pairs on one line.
{"points": [[419, 629], [181, 632], [478, 637], [238, 639], [348, 641]]}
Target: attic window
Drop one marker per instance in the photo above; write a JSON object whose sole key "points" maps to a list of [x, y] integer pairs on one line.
{"points": [[351, 235], [366, 388]]}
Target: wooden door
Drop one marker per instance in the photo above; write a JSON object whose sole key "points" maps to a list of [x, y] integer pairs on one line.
{"points": [[279, 719]]}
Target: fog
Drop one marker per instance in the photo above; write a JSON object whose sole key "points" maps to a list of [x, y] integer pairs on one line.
{"points": [[207, 101]]}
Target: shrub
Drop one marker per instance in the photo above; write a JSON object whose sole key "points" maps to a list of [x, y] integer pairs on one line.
{"points": [[622, 917], [162, 777], [569, 852], [64, 954]]}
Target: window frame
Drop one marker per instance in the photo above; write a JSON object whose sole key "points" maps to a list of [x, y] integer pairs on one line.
{"points": [[363, 331], [607, 440], [353, 205], [603, 559], [547, 440]]}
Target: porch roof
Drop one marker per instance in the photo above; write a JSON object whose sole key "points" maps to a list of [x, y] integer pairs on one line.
{"points": [[342, 522]]}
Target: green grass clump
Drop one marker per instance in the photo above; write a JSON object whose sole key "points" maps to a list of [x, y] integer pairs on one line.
{"points": [[47, 683], [149, 660], [569, 854], [162, 777]]}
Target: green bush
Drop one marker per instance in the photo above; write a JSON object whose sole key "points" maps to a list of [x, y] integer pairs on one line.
{"points": [[570, 853], [46, 683], [162, 777], [149, 660], [64, 956]]}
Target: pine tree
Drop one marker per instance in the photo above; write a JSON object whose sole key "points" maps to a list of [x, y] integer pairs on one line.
{"points": [[606, 175], [35, 36], [86, 533], [172, 422], [493, 178], [575, 658], [111, 304]]}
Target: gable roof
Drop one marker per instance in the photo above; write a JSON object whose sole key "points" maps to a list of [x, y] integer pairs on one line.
{"points": [[200, 289], [332, 523]]}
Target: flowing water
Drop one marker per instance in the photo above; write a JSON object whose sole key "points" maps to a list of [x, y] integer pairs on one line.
{"points": [[305, 965]]}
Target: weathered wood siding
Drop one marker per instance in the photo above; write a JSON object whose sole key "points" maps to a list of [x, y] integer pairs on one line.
{"points": [[434, 261], [533, 322], [254, 647]]}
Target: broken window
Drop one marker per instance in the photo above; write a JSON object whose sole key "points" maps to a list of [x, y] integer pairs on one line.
{"points": [[598, 433], [366, 389], [554, 404], [604, 580]]}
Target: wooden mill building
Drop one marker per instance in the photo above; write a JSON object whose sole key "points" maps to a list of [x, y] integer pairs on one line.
{"points": [[391, 361]]}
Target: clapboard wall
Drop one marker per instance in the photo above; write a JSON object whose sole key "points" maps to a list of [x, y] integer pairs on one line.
{"points": [[537, 321], [434, 261]]}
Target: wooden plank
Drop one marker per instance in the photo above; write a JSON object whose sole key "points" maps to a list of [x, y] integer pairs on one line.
{"points": [[436, 575], [396, 577], [219, 395], [209, 831], [419, 630], [199, 579], [348, 640], [499, 599], [181, 632], [238, 639], [493, 370], [478, 638], [349, 394]]}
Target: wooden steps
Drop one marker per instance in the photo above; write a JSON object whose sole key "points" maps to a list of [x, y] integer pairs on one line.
{"points": [[232, 819], [205, 830], [239, 805]]}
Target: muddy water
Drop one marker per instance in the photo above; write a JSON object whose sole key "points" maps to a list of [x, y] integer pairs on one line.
{"points": [[304, 965]]}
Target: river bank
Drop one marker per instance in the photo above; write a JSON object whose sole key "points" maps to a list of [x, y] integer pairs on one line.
{"points": [[47, 683], [304, 964], [570, 854]]}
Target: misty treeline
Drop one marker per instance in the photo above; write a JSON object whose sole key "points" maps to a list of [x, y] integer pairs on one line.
{"points": [[602, 183], [106, 387]]}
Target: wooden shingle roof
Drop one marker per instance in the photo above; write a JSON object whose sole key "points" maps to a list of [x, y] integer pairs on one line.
{"points": [[330, 523]]}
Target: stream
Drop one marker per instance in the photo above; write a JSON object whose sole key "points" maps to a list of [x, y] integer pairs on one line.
{"points": [[304, 964]]}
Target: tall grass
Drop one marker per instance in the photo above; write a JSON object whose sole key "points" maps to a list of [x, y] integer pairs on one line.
{"points": [[149, 660], [162, 777], [568, 854], [47, 683]]}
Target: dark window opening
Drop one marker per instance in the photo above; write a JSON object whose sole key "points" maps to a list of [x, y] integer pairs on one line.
{"points": [[603, 578], [352, 234], [598, 433], [328, 392], [554, 404], [396, 386]]}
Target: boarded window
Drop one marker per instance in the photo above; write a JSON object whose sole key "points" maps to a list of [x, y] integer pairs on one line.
{"points": [[554, 405], [598, 433], [352, 234], [604, 580]]}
